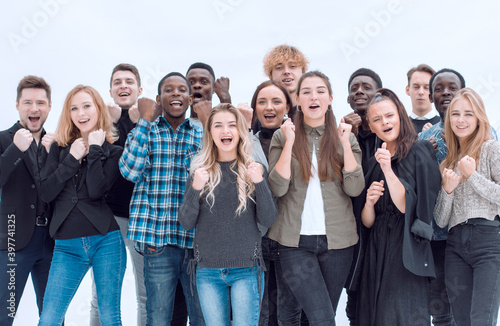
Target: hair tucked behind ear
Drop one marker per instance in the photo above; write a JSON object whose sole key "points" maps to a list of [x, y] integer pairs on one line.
{"points": [[207, 159]]}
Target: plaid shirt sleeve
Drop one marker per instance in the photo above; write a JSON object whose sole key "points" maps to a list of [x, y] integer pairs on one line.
{"points": [[135, 152]]}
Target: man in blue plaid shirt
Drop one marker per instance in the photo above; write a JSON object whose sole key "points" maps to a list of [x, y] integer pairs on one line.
{"points": [[157, 157]]}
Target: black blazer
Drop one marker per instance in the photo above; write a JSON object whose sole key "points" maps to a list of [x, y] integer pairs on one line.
{"points": [[90, 194], [18, 204]]}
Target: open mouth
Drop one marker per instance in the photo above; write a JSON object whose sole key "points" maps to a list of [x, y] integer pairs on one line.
{"points": [[269, 117], [287, 80], [226, 140], [176, 104], [314, 106], [462, 127], [123, 94], [387, 130], [446, 102], [83, 121], [34, 119]]}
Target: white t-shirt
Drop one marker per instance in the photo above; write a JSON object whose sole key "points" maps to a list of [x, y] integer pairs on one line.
{"points": [[313, 215]]}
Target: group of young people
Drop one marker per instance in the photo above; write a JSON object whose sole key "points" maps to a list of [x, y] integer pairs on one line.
{"points": [[259, 227]]}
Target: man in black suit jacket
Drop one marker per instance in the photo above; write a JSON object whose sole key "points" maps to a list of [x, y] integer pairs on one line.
{"points": [[25, 244]]}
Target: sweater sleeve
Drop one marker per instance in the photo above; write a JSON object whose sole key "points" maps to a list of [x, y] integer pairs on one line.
{"points": [[442, 211], [265, 205], [190, 207], [489, 189]]}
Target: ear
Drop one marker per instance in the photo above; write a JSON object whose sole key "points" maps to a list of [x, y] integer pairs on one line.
{"points": [[348, 100], [407, 90], [430, 98], [287, 109], [158, 100], [139, 93], [190, 100]]}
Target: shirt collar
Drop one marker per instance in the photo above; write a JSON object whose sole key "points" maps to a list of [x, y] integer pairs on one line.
{"points": [[320, 130], [428, 116]]}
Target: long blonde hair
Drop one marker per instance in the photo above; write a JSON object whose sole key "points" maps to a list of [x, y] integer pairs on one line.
{"points": [[66, 131], [472, 145], [208, 156]]}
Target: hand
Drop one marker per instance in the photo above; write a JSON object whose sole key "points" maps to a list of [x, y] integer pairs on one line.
{"points": [[133, 113], [78, 149], [221, 88], [97, 137], [115, 111], [383, 157], [203, 109], [247, 112], [466, 166], [255, 171], [200, 179], [288, 129], [450, 180], [375, 191], [23, 139], [434, 144], [47, 141], [426, 126], [344, 130], [146, 108], [354, 120]]}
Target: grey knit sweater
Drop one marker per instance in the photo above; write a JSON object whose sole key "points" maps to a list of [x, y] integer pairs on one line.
{"points": [[223, 239], [478, 196]]}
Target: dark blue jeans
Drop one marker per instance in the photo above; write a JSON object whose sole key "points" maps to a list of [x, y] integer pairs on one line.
{"points": [[439, 304], [279, 306], [316, 276], [163, 267], [35, 258], [472, 273]]}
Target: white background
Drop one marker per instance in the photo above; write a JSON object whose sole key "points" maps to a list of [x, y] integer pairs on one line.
{"points": [[74, 42]]}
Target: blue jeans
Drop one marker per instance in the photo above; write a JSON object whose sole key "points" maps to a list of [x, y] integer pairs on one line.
{"points": [[35, 259], [138, 269], [163, 267], [221, 289], [72, 259], [316, 276], [472, 273]]}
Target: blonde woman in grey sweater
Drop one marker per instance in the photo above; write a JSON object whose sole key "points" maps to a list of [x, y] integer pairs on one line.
{"points": [[469, 204]]}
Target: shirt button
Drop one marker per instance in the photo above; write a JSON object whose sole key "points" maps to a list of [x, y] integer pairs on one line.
{"points": [[74, 199], [32, 206], [324, 196], [322, 185], [326, 209], [316, 138], [32, 186], [425, 264]]}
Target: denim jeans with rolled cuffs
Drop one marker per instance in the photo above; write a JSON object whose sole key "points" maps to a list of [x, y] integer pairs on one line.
{"points": [[163, 267], [316, 276], [223, 289], [72, 259], [472, 271]]}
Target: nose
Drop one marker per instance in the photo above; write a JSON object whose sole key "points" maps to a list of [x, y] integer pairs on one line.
{"points": [[446, 91], [196, 85], [359, 90], [314, 95]]}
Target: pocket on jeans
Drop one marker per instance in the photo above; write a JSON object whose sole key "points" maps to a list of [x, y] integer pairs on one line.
{"points": [[151, 251], [487, 229]]}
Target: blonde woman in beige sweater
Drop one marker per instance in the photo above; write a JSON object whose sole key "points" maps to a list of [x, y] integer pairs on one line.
{"points": [[469, 204]]}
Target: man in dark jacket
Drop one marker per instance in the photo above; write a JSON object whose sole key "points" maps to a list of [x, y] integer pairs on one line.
{"points": [[25, 244]]}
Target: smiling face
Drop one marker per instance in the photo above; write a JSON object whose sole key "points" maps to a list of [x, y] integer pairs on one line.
{"points": [[202, 84], [361, 92], [288, 74], [445, 86], [84, 114], [33, 106], [124, 89], [383, 119], [418, 90], [271, 107], [174, 99], [463, 119], [224, 132], [314, 100]]}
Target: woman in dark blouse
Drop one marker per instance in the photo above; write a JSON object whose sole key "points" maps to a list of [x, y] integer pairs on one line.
{"points": [[81, 167]]}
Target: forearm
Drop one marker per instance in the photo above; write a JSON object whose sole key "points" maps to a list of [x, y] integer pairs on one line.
{"points": [[368, 215], [396, 191]]}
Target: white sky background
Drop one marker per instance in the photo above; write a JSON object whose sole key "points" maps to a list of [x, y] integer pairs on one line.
{"points": [[74, 42]]}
